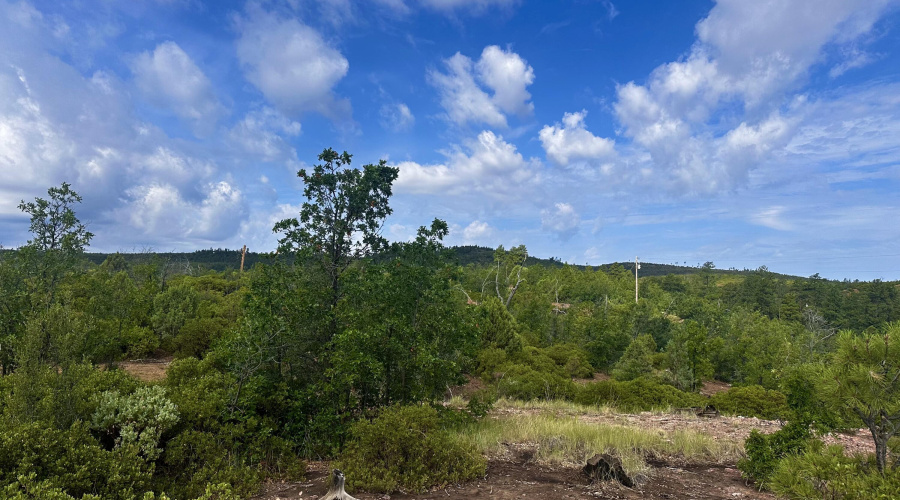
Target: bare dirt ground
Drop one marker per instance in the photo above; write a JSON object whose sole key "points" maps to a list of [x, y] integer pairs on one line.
{"points": [[509, 480], [148, 370]]}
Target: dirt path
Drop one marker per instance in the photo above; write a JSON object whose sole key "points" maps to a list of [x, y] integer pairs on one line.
{"points": [[507, 481]]}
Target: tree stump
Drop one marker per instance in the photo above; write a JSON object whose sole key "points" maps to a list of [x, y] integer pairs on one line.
{"points": [[606, 467], [336, 492]]}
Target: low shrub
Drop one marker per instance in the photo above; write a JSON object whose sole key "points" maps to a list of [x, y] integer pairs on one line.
{"points": [[640, 394], [765, 451], [524, 382], [825, 472], [572, 359], [35, 458], [406, 447], [752, 401]]}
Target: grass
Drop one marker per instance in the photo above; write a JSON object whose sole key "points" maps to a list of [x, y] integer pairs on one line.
{"points": [[564, 440]]}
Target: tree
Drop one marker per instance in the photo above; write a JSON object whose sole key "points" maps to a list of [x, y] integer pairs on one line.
{"points": [[637, 360], [54, 224], [508, 272], [342, 216], [864, 378]]}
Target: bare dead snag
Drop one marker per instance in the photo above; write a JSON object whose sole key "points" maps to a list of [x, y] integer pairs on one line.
{"points": [[336, 492]]}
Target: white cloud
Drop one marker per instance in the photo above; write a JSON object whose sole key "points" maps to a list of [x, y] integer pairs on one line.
{"points": [[492, 167], [771, 217], [291, 64], [160, 210], [477, 232], [262, 134], [170, 79], [708, 120], [561, 220], [397, 117], [471, 6], [571, 141], [506, 74]]}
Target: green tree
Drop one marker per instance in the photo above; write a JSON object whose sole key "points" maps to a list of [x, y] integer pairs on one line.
{"points": [[342, 216], [864, 379], [54, 224], [689, 352], [637, 360]]}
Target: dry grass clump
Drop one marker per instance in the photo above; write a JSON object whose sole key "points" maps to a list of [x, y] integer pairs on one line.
{"points": [[564, 440]]}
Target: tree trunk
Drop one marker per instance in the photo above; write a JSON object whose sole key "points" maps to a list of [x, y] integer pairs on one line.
{"points": [[336, 492]]}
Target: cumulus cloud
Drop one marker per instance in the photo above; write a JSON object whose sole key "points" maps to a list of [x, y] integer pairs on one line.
{"points": [[571, 141], [561, 220], [747, 56], [170, 79], [291, 64], [396, 117], [477, 232], [262, 134], [492, 166], [58, 124], [462, 88], [160, 210]]}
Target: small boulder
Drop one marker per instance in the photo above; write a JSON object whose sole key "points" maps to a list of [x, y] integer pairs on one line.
{"points": [[606, 467]]}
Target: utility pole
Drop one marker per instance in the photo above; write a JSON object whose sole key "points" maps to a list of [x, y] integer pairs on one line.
{"points": [[637, 266]]}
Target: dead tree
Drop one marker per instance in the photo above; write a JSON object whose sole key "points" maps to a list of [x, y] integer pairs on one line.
{"points": [[336, 492]]}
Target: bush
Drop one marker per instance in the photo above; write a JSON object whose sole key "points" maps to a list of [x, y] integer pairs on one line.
{"points": [[572, 359], [641, 394], [524, 382], [71, 462], [824, 472], [137, 419], [406, 448], [765, 451], [752, 401]]}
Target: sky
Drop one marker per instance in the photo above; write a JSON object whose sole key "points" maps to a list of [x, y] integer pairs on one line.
{"points": [[741, 132]]}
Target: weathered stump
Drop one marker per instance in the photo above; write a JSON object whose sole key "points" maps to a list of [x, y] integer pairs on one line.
{"points": [[607, 467], [336, 492]]}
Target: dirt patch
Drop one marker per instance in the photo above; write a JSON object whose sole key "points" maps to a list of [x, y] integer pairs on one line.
{"points": [[713, 387], [147, 370], [598, 377], [509, 480], [473, 386]]}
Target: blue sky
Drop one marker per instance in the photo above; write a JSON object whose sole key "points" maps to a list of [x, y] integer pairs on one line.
{"points": [[747, 133]]}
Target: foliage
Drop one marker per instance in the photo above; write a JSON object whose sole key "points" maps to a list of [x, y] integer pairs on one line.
{"points": [[637, 360], [752, 401], [54, 224], [641, 394], [342, 215], [138, 419], [864, 379], [825, 472], [406, 448], [69, 461], [764, 452]]}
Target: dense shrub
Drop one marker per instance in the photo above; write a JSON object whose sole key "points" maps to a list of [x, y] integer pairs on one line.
{"points": [[572, 359], [825, 472], [68, 461], [765, 451], [641, 394], [524, 382], [406, 448], [752, 401]]}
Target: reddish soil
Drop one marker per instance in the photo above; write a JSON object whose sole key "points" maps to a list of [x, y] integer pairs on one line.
{"points": [[713, 387], [148, 370], [507, 480]]}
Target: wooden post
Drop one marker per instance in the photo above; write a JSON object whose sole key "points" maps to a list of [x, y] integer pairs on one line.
{"points": [[243, 254], [637, 266]]}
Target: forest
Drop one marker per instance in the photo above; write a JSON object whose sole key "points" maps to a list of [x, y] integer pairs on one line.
{"points": [[390, 360]]}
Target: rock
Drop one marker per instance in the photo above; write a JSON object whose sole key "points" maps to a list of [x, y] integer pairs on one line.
{"points": [[606, 467]]}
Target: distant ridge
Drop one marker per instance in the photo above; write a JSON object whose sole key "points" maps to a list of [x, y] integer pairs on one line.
{"points": [[221, 259]]}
